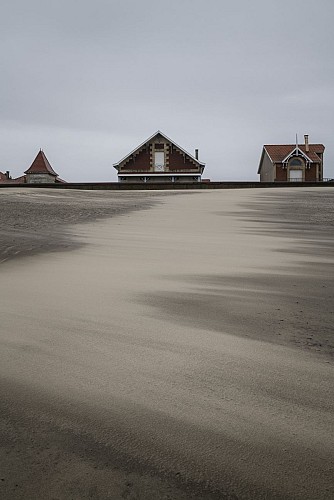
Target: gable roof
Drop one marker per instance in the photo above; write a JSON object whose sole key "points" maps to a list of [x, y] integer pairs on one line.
{"points": [[277, 153], [41, 165], [158, 132]]}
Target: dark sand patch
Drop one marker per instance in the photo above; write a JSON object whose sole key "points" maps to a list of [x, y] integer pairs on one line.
{"points": [[287, 306], [295, 310], [53, 448], [35, 221]]}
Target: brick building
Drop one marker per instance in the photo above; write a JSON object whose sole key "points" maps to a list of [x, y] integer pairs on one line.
{"points": [[292, 162], [39, 172], [159, 159]]}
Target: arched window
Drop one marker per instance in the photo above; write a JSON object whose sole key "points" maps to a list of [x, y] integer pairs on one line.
{"points": [[296, 163]]}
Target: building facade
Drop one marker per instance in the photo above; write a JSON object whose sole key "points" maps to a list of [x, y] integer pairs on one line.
{"points": [[292, 162], [40, 171], [157, 160]]}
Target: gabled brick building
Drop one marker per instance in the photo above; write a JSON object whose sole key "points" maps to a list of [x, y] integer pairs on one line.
{"points": [[159, 159], [292, 162]]}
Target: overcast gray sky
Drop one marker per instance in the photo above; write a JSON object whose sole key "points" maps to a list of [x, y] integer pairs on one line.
{"points": [[88, 81]]}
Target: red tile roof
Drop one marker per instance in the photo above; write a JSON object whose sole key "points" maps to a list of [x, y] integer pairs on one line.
{"points": [[278, 152], [19, 180], [40, 165], [5, 180]]}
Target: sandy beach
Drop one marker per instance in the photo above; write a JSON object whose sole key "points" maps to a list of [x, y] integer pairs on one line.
{"points": [[167, 345]]}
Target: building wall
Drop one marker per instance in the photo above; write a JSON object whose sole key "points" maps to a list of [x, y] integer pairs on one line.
{"points": [[281, 173], [140, 162], [178, 162], [267, 173], [311, 173], [156, 179], [186, 179], [40, 178]]}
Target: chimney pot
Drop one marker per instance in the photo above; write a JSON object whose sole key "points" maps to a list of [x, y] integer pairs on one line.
{"points": [[7, 174], [196, 154], [307, 147]]}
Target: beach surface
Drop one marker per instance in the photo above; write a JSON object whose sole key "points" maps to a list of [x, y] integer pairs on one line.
{"points": [[167, 346]]}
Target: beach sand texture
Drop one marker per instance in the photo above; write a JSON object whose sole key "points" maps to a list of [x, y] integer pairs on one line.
{"points": [[167, 346]]}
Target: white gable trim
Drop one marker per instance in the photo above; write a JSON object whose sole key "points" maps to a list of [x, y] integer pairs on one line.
{"points": [[167, 139], [264, 151], [268, 154], [296, 152]]}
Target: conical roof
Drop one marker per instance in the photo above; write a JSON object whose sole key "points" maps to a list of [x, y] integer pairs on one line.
{"points": [[41, 165]]}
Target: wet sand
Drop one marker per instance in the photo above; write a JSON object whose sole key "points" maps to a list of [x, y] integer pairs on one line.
{"points": [[181, 351]]}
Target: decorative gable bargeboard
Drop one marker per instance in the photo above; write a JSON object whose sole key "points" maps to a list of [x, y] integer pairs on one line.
{"points": [[292, 162], [159, 159]]}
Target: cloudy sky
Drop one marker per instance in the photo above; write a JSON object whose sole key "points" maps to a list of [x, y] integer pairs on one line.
{"points": [[87, 81]]}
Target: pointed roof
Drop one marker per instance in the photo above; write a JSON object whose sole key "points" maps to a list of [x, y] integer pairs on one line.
{"points": [[41, 165], [158, 132]]}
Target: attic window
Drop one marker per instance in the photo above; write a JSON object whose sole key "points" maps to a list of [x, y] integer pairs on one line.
{"points": [[295, 163], [159, 146]]}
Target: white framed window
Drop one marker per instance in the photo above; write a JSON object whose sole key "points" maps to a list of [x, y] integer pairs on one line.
{"points": [[296, 170], [296, 175], [159, 161]]}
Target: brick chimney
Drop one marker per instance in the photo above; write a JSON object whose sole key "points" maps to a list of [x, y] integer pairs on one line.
{"points": [[307, 147], [7, 174]]}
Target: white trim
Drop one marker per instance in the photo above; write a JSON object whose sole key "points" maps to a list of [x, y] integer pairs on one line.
{"points": [[261, 159], [296, 150], [270, 158]]}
